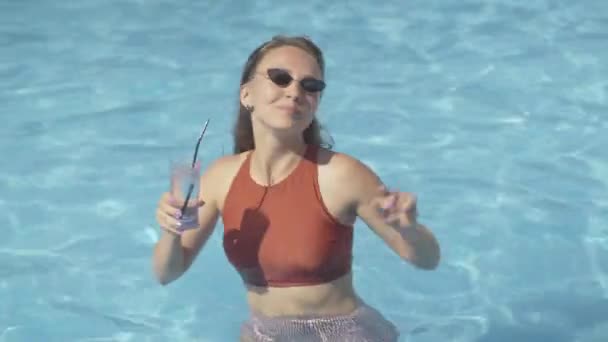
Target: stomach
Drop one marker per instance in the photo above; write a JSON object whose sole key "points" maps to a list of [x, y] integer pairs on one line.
{"points": [[333, 298]]}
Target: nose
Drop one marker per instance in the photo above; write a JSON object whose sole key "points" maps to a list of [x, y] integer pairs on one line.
{"points": [[294, 91]]}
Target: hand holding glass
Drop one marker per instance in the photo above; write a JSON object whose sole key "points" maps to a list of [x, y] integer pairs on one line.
{"points": [[185, 181], [184, 189]]}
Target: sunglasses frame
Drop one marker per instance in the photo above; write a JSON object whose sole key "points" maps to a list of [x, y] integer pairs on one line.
{"points": [[309, 84]]}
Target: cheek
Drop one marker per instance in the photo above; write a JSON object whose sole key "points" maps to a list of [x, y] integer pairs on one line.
{"points": [[313, 100], [262, 94], [269, 93]]}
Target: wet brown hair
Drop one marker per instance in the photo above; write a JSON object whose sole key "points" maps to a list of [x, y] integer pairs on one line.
{"points": [[243, 129]]}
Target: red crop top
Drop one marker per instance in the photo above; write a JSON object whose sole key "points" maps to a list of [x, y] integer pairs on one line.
{"points": [[283, 235]]}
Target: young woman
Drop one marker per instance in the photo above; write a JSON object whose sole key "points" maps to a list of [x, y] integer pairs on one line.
{"points": [[288, 205]]}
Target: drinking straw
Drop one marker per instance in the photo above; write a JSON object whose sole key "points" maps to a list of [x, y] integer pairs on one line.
{"points": [[198, 143]]}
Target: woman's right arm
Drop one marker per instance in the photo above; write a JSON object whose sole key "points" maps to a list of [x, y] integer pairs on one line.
{"points": [[174, 253]]}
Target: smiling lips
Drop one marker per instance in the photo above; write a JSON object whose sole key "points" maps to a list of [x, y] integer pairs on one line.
{"points": [[290, 109]]}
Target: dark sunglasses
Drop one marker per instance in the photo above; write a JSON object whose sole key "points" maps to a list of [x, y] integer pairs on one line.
{"points": [[282, 78]]}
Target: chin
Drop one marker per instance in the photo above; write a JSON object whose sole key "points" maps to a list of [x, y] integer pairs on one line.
{"points": [[292, 122]]}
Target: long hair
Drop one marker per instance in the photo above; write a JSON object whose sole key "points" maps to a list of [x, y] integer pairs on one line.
{"points": [[243, 128]]}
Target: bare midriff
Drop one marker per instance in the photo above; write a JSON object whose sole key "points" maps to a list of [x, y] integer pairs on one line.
{"points": [[337, 297]]}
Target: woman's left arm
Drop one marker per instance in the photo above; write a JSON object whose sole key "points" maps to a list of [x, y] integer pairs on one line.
{"points": [[392, 215]]}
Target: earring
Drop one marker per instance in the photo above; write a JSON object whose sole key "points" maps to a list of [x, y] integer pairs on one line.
{"points": [[249, 108]]}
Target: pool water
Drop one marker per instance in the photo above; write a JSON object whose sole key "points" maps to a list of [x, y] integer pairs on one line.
{"points": [[494, 113]]}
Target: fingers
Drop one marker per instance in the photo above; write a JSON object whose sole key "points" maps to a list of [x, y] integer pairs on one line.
{"points": [[391, 201], [399, 219], [169, 211], [169, 206], [393, 219], [396, 208], [172, 205], [167, 221], [409, 204], [385, 200], [387, 204]]}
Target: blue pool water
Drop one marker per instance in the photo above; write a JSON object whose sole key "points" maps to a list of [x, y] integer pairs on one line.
{"points": [[494, 112]]}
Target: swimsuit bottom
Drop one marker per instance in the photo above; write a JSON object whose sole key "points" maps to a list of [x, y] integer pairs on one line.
{"points": [[365, 324]]}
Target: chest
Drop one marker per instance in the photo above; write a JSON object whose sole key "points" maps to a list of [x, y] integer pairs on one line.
{"points": [[330, 195]]}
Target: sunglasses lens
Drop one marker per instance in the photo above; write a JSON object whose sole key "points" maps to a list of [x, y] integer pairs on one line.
{"points": [[313, 85], [280, 77]]}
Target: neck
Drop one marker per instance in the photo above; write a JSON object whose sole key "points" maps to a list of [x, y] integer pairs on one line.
{"points": [[276, 156]]}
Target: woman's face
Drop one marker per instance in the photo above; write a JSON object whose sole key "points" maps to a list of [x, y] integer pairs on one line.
{"points": [[279, 104]]}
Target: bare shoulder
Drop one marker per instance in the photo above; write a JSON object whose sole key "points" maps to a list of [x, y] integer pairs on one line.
{"points": [[346, 169], [222, 165], [219, 175], [345, 179]]}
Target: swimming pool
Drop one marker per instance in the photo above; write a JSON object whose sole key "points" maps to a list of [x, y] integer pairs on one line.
{"points": [[494, 113]]}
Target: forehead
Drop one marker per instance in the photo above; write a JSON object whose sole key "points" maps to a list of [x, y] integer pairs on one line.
{"points": [[291, 58]]}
